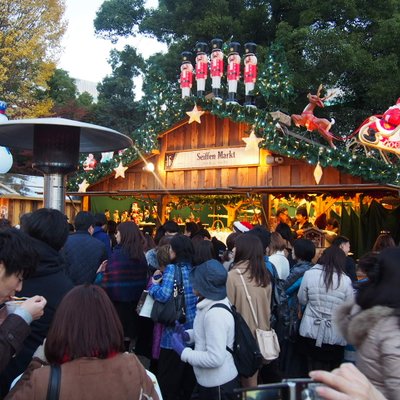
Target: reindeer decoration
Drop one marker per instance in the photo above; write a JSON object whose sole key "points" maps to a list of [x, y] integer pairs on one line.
{"points": [[313, 123]]}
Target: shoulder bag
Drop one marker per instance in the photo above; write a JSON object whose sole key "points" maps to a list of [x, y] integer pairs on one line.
{"points": [[174, 308], [267, 340], [53, 390]]}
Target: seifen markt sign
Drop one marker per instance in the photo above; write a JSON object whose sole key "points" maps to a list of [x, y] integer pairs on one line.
{"points": [[211, 158]]}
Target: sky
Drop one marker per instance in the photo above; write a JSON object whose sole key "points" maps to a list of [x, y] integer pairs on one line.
{"points": [[85, 55]]}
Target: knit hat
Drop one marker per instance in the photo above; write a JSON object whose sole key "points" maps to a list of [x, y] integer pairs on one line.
{"points": [[242, 226]]}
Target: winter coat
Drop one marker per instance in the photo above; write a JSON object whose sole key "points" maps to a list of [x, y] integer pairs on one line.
{"points": [[212, 331], [260, 297], [281, 264], [296, 274], [83, 255], [51, 282], [99, 234], [375, 333], [163, 291], [13, 332], [120, 377], [320, 305], [124, 278]]}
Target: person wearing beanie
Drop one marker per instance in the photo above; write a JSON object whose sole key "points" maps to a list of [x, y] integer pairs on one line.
{"points": [[213, 331]]}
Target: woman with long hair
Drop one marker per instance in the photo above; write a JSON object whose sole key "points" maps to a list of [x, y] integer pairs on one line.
{"points": [[176, 378], [124, 275], [372, 323], [383, 241], [249, 264], [86, 340], [276, 254], [323, 289]]}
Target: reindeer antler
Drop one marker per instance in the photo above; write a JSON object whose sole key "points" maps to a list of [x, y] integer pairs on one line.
{"points": [[330, 95], [320, 87]]}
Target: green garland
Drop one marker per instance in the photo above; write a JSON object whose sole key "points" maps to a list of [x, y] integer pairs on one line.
{"points": [[370, 167]]}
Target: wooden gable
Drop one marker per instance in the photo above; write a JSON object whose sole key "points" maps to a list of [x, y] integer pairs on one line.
{"points": [[212, 133]]}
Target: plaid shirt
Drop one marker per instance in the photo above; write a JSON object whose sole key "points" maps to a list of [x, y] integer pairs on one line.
{"points": [[162, 292], [124, 278]]}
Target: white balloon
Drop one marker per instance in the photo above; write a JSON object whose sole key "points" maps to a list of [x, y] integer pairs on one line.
{"points": [[6, 160]]}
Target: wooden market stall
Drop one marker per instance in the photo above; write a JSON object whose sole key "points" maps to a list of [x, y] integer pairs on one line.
{"points": [[218, 161]]}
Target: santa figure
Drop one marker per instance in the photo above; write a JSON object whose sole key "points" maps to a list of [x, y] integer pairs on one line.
{"points": [[388, 122], [216, 67], [90, 163], [186, 78], [233, 71], [250, 73], [201, 68]]}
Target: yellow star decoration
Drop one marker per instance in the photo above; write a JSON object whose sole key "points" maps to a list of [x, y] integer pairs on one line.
{"points": [[120, 171], [194, 115], [252, 141], [83, 186]]}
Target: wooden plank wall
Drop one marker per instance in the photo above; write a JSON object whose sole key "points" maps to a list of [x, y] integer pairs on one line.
{"points": [[19, 206], [215, 132]]}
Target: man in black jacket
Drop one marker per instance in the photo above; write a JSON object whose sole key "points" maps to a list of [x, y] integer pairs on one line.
{"points": [[48, 230], [82, 252]]}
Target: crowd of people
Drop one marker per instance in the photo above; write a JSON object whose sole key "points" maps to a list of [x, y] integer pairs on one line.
{"points": [[79, 290]]}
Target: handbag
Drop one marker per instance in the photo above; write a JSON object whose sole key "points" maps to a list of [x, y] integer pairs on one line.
{"points": [[267, 340], [145, 305], [174, 308], [53, 389]]}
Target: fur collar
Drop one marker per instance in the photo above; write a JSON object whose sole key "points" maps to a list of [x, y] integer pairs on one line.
{"points": [[355, 323]]}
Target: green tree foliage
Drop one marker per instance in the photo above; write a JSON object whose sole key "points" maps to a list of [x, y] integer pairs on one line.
{"points": [[119, 18], [62, 87], [67, 103], [117, 107], [348, 45], [30, 33]]}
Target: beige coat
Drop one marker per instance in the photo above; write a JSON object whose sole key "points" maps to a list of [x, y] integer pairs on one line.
{"points": [[260, 297], [375, 333]]}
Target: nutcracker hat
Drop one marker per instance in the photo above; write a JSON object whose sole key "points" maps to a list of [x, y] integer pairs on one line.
{"points": [[201, 47], [250, 48], [186, 56], [216, 44], [234, 47]]}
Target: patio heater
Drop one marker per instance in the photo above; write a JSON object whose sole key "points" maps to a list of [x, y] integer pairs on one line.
{"points": [[56, 144]]}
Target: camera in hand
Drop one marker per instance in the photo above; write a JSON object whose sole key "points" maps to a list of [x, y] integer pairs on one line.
{"points": [[290, 389]]}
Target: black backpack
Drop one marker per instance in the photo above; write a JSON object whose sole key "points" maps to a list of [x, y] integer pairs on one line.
{"points": [[283, 317], [246, 353]]}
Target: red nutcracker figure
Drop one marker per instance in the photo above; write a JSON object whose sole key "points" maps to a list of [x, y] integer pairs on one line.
{"points": [[201, 68], [250, 73], [233, 71], [186, 78], [216, 67]]}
